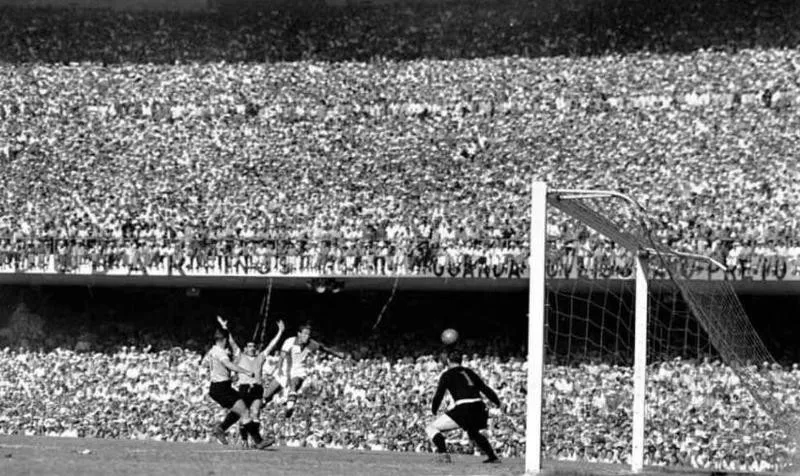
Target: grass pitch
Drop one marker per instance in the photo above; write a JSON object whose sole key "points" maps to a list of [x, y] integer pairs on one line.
{"points": [[21, 455]]}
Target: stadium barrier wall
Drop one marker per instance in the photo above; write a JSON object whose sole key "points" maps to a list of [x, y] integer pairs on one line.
{"points": [[328, 282], [779, 273]]}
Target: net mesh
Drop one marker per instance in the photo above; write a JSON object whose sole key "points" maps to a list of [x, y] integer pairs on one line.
{"points": [[692, 326], [591, 291]]}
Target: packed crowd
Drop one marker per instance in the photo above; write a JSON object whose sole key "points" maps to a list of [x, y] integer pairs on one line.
{"points": [[719, 182], [699, 415], [149, 138]]}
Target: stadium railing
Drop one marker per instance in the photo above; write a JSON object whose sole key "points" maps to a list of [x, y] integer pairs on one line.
{"points": [[493, 258]]}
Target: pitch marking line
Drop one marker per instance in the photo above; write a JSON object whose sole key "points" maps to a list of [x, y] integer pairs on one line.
{"points": [[78, 449], [17, 445]]}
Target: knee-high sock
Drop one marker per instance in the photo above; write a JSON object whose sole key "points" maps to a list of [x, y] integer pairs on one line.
{"points": [[482, 442], [439, 442], [254, 429], [229, 420]]}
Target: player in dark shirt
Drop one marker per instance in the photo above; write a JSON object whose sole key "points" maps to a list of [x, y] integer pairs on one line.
{"points": [[469, 411]]}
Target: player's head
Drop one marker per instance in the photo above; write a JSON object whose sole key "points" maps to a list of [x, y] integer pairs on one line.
{"points": [[220, 337], [250, 348], [304, 333], [451, 357]]}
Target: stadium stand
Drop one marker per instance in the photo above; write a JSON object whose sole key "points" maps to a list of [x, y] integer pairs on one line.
{"points": [[445, 148]]}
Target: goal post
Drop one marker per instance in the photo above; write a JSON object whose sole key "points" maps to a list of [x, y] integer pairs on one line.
{"points": [[536, 331], [639, 366], [641, 318]]}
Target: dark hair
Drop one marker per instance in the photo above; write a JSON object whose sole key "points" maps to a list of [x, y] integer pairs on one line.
{"points": [[220, 334], [305, 325], [455, 357], [452, 357]]}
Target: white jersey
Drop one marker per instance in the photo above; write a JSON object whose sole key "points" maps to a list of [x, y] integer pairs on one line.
{"points": [[216, 356], [270, 367], [299, 354]]}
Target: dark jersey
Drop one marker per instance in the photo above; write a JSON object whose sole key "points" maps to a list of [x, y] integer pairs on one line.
{"points": [[463, 384]]}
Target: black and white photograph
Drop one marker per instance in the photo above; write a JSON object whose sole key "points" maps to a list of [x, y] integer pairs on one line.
{"points": [[399, 237]]}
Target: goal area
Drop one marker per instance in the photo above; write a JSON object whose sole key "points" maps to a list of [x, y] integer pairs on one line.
{"points": [[629, 360]]}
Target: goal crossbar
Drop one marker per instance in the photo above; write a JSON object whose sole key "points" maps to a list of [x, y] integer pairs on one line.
{"points": [[599, 223], [567, 202]]}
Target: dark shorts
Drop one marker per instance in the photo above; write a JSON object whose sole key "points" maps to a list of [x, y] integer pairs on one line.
{"points": [[251, 393], [224, 394], [470, 416]]}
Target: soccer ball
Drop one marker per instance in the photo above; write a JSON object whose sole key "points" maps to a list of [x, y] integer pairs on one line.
{"points": [[449, 336]]}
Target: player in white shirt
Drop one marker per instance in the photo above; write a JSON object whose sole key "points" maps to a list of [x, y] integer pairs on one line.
{"points": [[251, 389], [292, 368]]}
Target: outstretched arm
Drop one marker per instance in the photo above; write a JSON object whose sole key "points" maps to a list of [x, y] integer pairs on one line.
{"points": [[274, 341], [328, 350]]}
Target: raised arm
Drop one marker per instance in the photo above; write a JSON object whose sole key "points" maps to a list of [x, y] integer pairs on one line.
{"points": [[274, 341], [237, 351]]}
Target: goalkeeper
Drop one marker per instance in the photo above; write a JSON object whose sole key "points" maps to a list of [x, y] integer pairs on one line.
{"points": [[469, 411]]}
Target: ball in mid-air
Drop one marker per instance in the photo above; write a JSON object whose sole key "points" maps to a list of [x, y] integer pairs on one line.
{"points": [[449, 336]]}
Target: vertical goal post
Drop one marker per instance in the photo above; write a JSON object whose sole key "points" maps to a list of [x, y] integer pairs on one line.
{"points": [[537, 303], [536, 319]]}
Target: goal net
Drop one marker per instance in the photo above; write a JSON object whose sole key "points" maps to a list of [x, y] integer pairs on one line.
{"points": [[641, 365]]}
